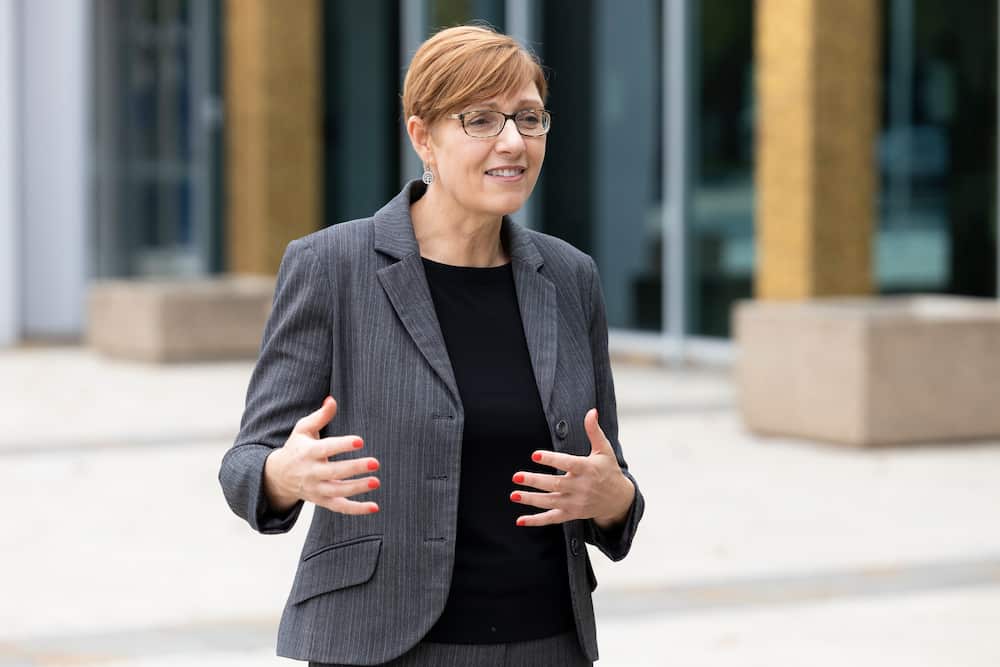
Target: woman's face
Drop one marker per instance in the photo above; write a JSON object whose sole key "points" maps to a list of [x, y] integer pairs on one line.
{"points": [[464, 167]]}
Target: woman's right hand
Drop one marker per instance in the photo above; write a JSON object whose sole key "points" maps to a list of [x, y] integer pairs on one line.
{"points": [[301, 469]]}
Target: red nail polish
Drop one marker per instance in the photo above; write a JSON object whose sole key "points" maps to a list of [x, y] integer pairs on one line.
{"points": [[373, 465], [520, 522], [373, 484], [536, 457], [373, 509], [358, 444], [516, 497], [519, 478]]}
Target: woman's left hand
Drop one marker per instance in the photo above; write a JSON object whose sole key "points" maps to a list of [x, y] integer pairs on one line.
{"points": [[593, 487]]}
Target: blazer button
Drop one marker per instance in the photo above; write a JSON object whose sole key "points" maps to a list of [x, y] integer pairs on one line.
{"points": [[562, 429], [574, 546]]}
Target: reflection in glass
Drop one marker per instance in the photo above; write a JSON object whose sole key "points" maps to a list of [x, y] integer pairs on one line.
{"points": [[937, 149], [601, 188], [361, 108], [721, 246], [446, 13], [156, 137]]}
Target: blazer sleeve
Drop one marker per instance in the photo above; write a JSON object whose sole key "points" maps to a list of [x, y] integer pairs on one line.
{"points": [[290, 379], [616, 542]]}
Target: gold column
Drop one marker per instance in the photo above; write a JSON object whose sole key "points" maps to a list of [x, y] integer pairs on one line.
{"points": [[817, 69], [273, 129]]}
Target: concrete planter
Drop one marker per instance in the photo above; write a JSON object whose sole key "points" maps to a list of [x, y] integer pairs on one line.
{"points": [[870, 371], [179, 320]]}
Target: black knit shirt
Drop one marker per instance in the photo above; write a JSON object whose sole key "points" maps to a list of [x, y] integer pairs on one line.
{"points": [[510, 583]]}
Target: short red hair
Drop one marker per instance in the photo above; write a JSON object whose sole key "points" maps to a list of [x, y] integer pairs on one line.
{"points": [[465, 64]]}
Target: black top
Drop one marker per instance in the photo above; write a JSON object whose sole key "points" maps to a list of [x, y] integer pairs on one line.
{"points": [[510, 583]]}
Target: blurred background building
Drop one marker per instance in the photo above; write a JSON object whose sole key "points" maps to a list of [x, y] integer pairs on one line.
{"points": [[191, 138]]}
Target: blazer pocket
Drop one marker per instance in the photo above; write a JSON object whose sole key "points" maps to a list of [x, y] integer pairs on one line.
{"points": [[336, 566]]}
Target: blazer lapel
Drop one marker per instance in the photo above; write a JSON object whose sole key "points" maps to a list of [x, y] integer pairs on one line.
{"points": [[405, 283], [536, 298]]}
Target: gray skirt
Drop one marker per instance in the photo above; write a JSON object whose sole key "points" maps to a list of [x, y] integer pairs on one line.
{"points": [[557, 651]]}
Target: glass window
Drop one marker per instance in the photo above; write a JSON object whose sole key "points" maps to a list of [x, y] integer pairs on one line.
{"points": [[157, 137], [446, 13], [936, 151], [721, 229], [601, 187], [361, 109]]}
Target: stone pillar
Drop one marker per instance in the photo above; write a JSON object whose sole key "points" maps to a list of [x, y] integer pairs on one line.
{"points": [[273, 107], [817, 106]]}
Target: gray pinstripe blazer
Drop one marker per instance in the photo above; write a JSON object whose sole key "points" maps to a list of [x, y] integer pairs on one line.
{"points": [[352, 317]]}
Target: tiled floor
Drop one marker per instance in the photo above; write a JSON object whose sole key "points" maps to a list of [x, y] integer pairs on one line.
{"points": [[117, 547]]}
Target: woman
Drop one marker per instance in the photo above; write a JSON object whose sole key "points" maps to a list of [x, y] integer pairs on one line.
{"points": [[469, 360]]}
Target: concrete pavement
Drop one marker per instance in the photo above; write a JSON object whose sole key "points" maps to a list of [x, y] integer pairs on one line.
{"points": [[118, 548]]}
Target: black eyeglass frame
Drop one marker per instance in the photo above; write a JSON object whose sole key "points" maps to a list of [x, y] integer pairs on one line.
{"points": [[544, 113]]}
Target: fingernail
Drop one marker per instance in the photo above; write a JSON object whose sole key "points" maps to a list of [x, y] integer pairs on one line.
{"points": [[519, 478], [516, 497], [536, 457], [373, 484], [373, 465], [373, 509], [520, 522], [358, 444]]}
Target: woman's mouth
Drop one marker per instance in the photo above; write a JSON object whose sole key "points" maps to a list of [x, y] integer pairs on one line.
{"points": [[506, 173]]}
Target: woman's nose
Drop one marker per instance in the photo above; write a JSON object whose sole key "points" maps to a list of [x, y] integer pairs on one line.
{"points": [[509, 139]]}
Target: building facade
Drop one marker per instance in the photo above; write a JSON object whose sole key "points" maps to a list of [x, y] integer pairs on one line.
{"points": [[703, 151]]}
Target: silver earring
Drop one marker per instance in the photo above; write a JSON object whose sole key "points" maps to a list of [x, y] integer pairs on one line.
{"points": [[428, 176]]}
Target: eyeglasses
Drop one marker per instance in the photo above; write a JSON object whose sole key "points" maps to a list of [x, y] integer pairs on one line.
{"points": [[487, 123]]}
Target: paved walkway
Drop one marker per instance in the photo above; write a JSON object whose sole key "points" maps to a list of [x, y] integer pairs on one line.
{"points": [[118, 548]]}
